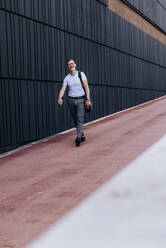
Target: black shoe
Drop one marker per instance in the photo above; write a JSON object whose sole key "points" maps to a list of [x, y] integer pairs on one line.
{"points": [[78, 141], [82, 138]]}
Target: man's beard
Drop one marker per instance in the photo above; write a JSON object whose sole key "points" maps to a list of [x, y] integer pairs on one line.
{"points": [[72, 69]]}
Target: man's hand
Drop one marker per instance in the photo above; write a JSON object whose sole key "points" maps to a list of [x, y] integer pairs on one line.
{"points": [[88, 103], [60, 101]]}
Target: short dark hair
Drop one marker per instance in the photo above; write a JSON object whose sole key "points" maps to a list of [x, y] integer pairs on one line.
{"points": [[67, 61]]}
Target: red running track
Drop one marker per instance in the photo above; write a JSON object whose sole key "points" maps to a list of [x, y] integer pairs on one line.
{"points": [[40, 184]]}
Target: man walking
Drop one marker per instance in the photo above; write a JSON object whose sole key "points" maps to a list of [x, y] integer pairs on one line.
{"points": [[77, 99]]}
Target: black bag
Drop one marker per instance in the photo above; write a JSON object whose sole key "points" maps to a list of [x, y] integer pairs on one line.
{"points": [[87, 110]]}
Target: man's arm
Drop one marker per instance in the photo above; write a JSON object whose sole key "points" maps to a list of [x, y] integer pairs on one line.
{"points": [[87, 92], [61, 93]]}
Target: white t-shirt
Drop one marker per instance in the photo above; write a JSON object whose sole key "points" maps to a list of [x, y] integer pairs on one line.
{"points": [[74, 83]]}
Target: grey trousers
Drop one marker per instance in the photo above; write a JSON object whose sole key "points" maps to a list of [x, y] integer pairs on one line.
{"points": [[77, 110]]}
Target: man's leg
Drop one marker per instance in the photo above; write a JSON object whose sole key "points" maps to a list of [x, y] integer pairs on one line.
{"points": [[80, 117], [73, 111], [76, 108]]}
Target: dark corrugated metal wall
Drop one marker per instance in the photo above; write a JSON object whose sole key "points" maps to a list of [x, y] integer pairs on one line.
{"points": [[104, 2], [154, 10], [124, 65]]}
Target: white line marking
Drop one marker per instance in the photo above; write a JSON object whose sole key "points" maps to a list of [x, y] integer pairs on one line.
{"points": [[127, 212]]}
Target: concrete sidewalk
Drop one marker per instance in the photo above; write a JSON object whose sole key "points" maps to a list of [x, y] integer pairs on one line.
{"points": [[127, 212]]}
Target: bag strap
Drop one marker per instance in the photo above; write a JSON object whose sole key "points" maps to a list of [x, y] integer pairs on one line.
{"points": [[79, 75]]}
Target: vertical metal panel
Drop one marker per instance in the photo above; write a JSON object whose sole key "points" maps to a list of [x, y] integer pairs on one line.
{"points": [[105, 2]]}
